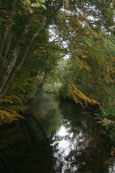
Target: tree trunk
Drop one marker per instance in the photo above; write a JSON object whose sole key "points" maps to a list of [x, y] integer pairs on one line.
{"points": [[2, 45], [9, 41], [26, 52], [15, 68], [6, 36], [10, 68]]}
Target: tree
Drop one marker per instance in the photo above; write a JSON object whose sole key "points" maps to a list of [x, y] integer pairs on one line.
{"points": [[86, 30], [24, 28]]}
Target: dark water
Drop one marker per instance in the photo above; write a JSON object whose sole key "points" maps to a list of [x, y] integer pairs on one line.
{"points": [[58, 137]]}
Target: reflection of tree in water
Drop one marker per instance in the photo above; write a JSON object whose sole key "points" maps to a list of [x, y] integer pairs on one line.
{"points": [[46, 110], [29, 146], [22, 151], [50, 122], [80, 153], [25, 146], [77, 146]]}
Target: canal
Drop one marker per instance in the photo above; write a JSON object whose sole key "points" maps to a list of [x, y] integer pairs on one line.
{"points": [[55, 137]]}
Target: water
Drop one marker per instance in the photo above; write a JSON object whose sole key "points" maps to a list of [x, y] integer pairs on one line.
{"points": [[58, 137]]}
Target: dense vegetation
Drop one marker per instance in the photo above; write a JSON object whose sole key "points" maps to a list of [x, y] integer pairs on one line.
{"points": [[69, 41]]}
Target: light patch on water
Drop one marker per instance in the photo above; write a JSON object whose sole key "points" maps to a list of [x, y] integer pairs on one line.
{"points": [[66, 146], [112, 168]]}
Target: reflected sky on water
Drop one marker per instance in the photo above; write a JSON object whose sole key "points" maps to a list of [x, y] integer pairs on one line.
{"points": [[70, 151]]}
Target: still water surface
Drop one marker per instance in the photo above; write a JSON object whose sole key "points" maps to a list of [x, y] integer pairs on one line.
{"points": [[58, 137]]}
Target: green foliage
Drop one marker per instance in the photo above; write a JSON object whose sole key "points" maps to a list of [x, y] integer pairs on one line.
{"points": [[8, 116], [108, 113], [37, 4], [91, 66]]}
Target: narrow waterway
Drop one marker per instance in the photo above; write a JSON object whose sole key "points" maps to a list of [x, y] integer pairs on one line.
{"points": [[57, 137]]}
